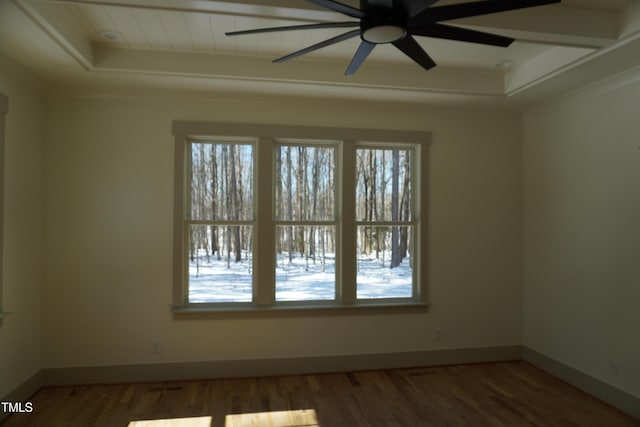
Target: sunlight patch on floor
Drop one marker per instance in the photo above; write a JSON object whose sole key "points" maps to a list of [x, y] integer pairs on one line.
{"points": [[294, 418], [174, 422]]}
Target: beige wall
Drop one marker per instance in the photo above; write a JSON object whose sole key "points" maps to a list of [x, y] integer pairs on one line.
{"points": [[582, 230], [99, 234], [108, 245], [21, 338]]}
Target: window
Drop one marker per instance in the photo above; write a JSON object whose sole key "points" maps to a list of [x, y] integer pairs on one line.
{"points": [[384, 227], [4, 104], [275, 217], [219, 220], [305, 221]]}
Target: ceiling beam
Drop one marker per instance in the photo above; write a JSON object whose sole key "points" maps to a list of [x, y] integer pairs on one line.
{"points": [[325, 73], [555, 25], [300, 10], [631, 20], [61, 29], [609, 64]]}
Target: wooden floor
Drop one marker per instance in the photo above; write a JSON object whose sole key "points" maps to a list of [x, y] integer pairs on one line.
{"points": [[493, 394]]}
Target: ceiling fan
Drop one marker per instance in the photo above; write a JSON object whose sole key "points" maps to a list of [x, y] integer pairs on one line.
{"points": [[397, 21]]}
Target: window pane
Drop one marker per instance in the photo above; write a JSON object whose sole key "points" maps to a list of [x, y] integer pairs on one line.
{"points": [[221, 181], [305, 263], [383, 185], [384, 262], [220, 263], [305, 183]]}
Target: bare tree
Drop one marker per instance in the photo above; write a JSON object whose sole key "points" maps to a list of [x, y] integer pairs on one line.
{"points": [[396, 257], [289, 204], [214, 205], [233, 189], [405, 208]]}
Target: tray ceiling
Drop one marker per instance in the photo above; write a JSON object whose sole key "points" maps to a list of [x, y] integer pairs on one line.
{"points": [[181, 44]]}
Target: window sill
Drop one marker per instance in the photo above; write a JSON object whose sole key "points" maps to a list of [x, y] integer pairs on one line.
{"points": [[194, 312]]}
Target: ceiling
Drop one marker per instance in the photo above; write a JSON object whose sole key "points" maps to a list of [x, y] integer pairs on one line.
{"points": [[180, 44]]}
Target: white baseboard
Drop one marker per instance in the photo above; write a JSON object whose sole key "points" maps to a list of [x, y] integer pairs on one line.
{"points": [[271, 367], [613, 396]]}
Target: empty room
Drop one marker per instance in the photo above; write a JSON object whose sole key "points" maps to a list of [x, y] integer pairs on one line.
{"points": [[319, 213]]}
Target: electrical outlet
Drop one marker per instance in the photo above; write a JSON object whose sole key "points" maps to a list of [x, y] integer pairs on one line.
{"points": [[437, 336], [155, 347]]}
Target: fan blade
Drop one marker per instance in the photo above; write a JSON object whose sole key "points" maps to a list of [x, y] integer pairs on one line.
{"points": [[449, 32], [413, 50], [476, 8], [339, 7], [378, 4], [361, 54], [317, 46], [412, 7], [296, 27], [407, 7]]}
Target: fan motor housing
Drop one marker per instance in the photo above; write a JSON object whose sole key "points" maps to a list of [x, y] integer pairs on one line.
{"points": [[379, 29]]}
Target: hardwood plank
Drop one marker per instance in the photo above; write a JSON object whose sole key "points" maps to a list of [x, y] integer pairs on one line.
{"points": [[176, 422], [491, 394]]}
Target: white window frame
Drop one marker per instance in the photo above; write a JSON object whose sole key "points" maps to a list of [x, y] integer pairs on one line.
{"points": [[274, 144], [266, 137], [413, 222], [188, 221]]}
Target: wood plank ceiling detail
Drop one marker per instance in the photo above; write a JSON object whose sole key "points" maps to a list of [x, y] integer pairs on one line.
{"points": [[558, 46]]}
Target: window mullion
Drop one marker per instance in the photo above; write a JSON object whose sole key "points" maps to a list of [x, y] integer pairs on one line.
{"points": [[180, 291], [420, 212], [264, 272], [347, 225]]}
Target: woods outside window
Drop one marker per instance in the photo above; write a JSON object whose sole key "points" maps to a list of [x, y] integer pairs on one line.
{"points": [[271, 217]]}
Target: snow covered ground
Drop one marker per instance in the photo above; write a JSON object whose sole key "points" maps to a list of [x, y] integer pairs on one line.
{"points": [[296, 281]]}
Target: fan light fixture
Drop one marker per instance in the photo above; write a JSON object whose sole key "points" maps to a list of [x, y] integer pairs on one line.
{"points": [[398, 21], [384, 34]]}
